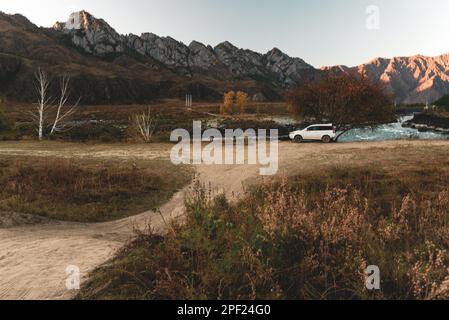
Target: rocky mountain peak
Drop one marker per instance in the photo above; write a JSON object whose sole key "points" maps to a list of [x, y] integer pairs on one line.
{"points": [[196, 44], [203, 57], [93, 35], [275, 52], [226, 46], [82, 20], [289, 71], [414, 79]]}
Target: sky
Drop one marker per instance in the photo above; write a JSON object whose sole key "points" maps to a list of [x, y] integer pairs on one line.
{"points": [[322, 32]]}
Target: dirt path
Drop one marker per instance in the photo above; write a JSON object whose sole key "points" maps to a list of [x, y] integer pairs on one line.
{"points": [[33, 259]]}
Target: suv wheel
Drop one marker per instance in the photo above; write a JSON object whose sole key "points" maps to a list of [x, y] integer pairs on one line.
{"points": [[298, 139], [326, 139]]}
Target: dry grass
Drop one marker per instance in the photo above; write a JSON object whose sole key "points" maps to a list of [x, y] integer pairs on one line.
{"points": [[86, 190], [112, 123], [309, 237]]}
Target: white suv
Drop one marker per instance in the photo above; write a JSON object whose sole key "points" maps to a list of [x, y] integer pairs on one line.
{"points": [[318, 132]]}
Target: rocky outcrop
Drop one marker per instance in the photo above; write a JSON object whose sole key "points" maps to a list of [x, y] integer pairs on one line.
{"points": [[238, 61], [203, 57], [166, 50], [429, 122], [289, 71], [91, 34], [416, 79]]}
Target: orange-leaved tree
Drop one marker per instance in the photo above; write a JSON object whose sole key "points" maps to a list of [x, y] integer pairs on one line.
{"points": [[228, 103], [241, 101], [234, 103]]}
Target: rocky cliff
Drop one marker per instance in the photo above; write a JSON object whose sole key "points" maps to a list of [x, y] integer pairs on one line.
{"points": [[95, 36]]}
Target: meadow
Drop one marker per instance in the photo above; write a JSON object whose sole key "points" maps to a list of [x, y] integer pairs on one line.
{"points": [[306, 235], [86, 190]]}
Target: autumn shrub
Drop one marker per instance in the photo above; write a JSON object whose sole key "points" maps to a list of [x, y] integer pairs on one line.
{"points": [[234, 103], [289, 239], [241, 101]]}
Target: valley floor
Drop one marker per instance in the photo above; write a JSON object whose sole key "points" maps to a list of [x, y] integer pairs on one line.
{"points": [[33, 259]]}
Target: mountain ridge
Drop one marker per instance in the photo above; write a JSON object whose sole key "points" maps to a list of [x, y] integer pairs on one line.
{"points": [[412, 79], [97, 37], [172, 68]]}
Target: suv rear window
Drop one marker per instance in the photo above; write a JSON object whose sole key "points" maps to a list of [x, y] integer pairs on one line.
{"points": [[324, 128]]}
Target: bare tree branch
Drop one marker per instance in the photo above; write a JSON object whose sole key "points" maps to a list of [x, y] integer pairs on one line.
{"points": [[145, 124], [62, 112]]}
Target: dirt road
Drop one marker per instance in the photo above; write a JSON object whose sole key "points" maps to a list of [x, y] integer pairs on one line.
{"points": [[33, 259]]}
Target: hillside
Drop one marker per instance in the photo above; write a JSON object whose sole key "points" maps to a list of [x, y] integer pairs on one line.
{"points": [[24, 48], [443, 102], [416, 79], [110, 68]]}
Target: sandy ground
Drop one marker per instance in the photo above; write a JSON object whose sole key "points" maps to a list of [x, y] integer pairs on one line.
{"points": [[33, 259]]}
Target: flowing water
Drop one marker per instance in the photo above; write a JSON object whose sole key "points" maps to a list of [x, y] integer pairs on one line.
{"points": [[391, 131]]}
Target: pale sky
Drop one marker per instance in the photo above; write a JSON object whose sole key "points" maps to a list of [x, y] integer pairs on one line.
{"points": [[322, 32]]}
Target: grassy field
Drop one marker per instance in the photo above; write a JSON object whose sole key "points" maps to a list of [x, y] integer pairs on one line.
{"points": [[87, 189], [113, 123], [307, 236]]}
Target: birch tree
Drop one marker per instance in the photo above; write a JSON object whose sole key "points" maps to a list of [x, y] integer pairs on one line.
{"points": [[145, 124], [42, 85], [63, 112], [51, 117]]}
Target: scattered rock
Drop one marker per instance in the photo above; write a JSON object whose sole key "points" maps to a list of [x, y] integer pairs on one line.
{"points": [[425, 122]]}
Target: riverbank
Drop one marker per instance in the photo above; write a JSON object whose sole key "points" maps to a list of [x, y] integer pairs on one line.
{"points": [[424, 122]]}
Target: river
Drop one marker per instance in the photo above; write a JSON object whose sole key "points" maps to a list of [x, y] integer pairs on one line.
{"points": [[391, 131]]}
